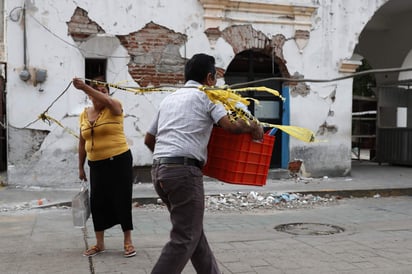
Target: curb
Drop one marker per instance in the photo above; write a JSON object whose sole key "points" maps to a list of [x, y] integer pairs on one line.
{"points": [[358, 193]]}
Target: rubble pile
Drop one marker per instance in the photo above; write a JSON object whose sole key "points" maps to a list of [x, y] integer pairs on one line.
{"points": [[228, 202], [241, 201], [34, 204]]}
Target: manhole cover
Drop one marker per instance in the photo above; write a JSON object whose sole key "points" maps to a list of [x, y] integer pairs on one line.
{"points": [[309, 229]]}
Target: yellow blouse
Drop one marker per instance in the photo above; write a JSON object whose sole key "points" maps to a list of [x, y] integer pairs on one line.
{"points": [[104, 138]]}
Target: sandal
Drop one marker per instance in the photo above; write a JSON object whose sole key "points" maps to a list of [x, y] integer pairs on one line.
{"points": [[93, 251], [129, 250]]}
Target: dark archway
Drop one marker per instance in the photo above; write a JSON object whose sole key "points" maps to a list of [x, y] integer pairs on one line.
{"points": [[364, 109], [252, 65]]}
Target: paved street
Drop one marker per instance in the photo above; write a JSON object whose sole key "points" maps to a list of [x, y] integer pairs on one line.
{"points": [[377, 239]]}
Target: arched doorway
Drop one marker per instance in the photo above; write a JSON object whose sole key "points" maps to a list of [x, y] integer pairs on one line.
{"points": [[252, 65], [383, 44]]}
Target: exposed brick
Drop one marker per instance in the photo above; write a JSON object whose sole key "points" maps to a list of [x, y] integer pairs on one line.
{"points": [[80, 27], [152, 49], [244, 37]]}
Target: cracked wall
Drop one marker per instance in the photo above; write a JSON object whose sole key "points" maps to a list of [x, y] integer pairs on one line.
{"points": [[153, 50], [155, 57], [146, 44], [81, 27], [316, 157], [245, 37]]}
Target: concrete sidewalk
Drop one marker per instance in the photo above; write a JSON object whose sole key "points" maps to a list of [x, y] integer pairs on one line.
{"points": [[374, 235], [366, 179]]}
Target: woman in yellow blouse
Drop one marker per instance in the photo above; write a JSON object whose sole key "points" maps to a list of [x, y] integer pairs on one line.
{"points": [[103, 142]]}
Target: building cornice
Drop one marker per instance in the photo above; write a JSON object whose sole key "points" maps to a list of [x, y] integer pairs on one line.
{"points": [[218, 12]]}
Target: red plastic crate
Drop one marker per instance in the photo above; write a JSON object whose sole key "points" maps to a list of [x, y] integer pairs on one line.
{"points": [[237, 159]]}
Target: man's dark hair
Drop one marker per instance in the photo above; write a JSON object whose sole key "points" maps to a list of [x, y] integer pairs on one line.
{"points": [[199, 66]]}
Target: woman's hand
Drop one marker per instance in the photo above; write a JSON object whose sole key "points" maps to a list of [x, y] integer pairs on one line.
{"points": [[82, 174], [78, 83]]}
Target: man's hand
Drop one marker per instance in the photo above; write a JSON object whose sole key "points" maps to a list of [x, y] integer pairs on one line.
{"points": [[257, 131]]}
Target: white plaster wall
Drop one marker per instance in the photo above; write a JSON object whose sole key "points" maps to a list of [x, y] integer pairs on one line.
{"points": [[50, 47], [333, 36]]}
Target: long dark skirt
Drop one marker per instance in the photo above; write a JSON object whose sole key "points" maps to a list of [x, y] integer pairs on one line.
{"points": [[111, 188]]}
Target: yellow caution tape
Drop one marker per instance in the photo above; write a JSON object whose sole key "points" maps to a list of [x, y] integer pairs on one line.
{"points": [[299, 133], [48, 118], [229, 98]]}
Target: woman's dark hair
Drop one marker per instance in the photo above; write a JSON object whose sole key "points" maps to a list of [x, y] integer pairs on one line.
{"points": [[199, 66]]}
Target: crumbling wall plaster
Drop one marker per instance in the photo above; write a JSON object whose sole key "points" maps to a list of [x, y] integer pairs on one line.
{"points": [[154, 50], [245, 37], [81, 27], [25, 143], [299, 89], [95, 24], [155, 57], [316, 157]]}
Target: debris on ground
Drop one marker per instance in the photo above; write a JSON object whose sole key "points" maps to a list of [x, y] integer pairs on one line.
{"points": [[246, 201], [254, 200], [33, 204], [228, 202]]}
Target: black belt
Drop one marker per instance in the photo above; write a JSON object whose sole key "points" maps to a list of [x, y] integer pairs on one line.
{"points": [[178, 160]]}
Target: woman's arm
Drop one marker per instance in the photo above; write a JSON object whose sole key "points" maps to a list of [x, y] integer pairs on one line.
{"points": [[82, 158], [101, 96]]}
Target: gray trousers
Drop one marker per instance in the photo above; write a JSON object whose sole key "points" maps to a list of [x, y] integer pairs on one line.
{"points": [[181, 188]]}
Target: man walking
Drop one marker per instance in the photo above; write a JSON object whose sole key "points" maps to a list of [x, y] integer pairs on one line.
{"points": [[178, 138]]}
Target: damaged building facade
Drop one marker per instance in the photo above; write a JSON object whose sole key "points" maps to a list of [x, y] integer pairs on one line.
{"points": [[146, 43]]}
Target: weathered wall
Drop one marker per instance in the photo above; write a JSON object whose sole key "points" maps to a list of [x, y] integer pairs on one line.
{"points": [[147, 44], [326, 107]]}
